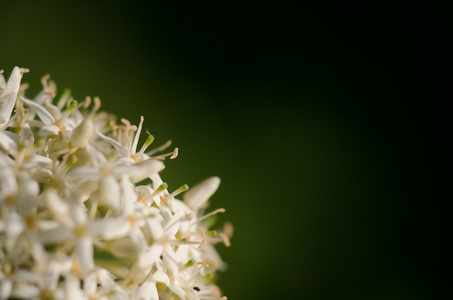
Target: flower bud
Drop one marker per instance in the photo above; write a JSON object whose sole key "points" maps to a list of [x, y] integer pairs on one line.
{"points": [[196, 196], [82, 133]]}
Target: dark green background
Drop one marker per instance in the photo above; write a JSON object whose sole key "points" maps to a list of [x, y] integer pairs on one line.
{"points": [[324, 123]]}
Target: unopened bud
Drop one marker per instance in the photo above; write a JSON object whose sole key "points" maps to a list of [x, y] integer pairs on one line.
{"points": [[82, 134], [199, 194]]}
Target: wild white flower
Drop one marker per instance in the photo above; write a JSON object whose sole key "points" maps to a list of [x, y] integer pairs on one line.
{"points": [[76, 221]]}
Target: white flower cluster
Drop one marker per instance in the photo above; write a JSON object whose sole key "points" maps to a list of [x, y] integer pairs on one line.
{"points": [[84, 215]]}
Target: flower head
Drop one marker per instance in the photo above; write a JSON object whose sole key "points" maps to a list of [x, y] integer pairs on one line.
{"points": [[77, 221]]}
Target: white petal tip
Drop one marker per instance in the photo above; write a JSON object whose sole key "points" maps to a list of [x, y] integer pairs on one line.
{"points": [[199, 194]]}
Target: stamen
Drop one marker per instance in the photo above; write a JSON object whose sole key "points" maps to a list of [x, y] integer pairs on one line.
{"points": [[175, 153], [225, 239], [64, 98], [114, 128], [177, 242], [228, 229], [160, 148], [170, 225], [220, 210], [128, 135], [24, 70], [44, 79], [172, 155], [203, 241], [49, 94], [125, 122], [97, 105], [87, 102], [137, 136], [24, 87]]}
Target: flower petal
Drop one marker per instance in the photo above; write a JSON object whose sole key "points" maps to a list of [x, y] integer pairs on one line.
{"points": [[9, 95], [120, 148], [43, 114], [160, 276], [148, 258], [147, 291], [49, 129], [7, 144], [84, 250]]}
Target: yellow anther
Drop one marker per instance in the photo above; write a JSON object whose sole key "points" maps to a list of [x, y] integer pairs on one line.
{"points": [[80, 231], [10, 199], [61, 127], [75, 268], [142, 201], [132, 219], [31, 222], [135, 158]]}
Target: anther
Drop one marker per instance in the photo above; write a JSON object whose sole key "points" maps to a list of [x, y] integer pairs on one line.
{"points": [[87, 102], [225, 239], [80, 231], [220, 210], [44, 79], [203, 241], [24, 87], [175, 153], [160, 148], [31, 222], [97, 105], [132, 220]]}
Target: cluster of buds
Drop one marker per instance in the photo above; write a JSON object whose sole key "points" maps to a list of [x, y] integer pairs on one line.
{"points": [[84, 214]]}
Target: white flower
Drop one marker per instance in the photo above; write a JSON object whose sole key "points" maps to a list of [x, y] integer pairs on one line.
{"points": [[75, 221]]}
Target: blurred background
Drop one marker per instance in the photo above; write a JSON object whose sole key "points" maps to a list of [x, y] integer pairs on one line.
{"points": [[323, 122]]}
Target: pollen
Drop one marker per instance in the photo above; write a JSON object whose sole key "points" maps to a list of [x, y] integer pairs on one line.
{"points": [[11, 199], [135, 158], [61, 127], [31, 222], [80, 231], [75, 268], [142, 201], [132, 220]]}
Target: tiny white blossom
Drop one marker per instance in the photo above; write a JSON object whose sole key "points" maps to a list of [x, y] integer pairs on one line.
{"points": [[77, 222]]}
